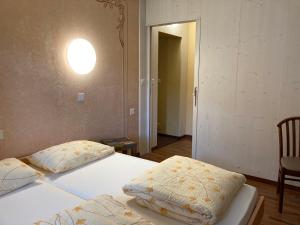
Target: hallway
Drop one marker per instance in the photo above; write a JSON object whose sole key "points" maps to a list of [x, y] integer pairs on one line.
{"points": [[181, 147]]}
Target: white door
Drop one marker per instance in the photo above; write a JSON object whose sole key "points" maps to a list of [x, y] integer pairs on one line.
{"points": [[154, 87], [196, 109]]}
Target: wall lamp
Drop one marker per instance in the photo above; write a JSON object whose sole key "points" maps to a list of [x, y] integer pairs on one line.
{"points": [[81, 56]]}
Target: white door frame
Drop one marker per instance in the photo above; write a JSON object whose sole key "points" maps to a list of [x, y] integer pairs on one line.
{"points": [[196, 83]]}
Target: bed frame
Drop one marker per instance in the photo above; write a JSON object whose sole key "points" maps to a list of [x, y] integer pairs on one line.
{"points": [[258, 212]]}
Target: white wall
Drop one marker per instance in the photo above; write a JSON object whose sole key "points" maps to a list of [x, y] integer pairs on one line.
{"points": [[249, 76]]}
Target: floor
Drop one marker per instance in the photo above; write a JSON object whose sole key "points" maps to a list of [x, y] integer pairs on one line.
{"points": [[291, 210], [181, 147], [164, 140]]}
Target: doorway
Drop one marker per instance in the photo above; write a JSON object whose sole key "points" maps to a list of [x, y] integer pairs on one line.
{"points": [[172, 66]]}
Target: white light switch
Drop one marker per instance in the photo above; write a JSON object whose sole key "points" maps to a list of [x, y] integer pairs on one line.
{"points": [[1, 135], [132, 111], [81, 97]]}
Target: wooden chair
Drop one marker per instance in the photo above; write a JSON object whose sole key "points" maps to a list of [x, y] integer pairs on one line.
{"points": [[289, 160]]}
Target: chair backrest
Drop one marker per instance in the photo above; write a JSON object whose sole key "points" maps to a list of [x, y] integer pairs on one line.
{"points": [[289, 137]]}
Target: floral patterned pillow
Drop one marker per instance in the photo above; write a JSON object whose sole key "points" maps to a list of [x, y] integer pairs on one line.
{"points": [[67, 156], [15, 174]]}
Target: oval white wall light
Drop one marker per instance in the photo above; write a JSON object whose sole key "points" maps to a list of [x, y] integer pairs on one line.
{"points": [[81, 56]]}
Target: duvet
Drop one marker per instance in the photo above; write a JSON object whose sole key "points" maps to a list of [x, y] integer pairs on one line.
{"points": [[103, 210], [187, 190]]}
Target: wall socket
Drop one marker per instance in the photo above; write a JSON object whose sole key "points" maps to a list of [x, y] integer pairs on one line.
{"points": [[1, 135]]}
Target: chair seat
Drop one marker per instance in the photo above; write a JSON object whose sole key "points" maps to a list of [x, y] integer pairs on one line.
{"points": [[291, 163]]}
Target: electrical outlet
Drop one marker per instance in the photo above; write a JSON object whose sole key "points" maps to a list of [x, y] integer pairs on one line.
{"points": [[1, 135]]}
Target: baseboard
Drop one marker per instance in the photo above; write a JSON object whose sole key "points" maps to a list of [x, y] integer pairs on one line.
{"points": [[271, 182], [178, 137], [168, 135], [187, 136]]}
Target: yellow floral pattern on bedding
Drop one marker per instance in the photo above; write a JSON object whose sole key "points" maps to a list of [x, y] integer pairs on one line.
{"points": [[15, 174], [69, 155], [103, 210], [186, 189]]}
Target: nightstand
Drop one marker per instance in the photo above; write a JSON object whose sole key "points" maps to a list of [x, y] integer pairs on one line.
{"points": [[124, 145]]}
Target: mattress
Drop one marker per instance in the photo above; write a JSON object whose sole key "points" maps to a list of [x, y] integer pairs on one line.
{"points": [[109, 175], [34, 202], [105, 176]]}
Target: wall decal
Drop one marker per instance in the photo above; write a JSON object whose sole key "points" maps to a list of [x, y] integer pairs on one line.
{"points": [[122, 6]]}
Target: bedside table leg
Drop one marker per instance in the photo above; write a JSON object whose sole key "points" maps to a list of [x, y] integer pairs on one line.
{"points": [[134, 152]]}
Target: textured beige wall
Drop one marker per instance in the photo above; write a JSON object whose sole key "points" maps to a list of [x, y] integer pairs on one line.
{"points": [[249, 76], [38, 90]]}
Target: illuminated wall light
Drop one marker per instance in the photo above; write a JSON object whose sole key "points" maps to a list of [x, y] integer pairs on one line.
{"points": [[81, 56]]}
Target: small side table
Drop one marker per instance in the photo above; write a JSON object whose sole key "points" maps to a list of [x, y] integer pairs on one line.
{"points": [[122, 145]]}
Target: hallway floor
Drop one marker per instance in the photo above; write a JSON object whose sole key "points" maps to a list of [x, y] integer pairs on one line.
{"points": [[182, 147], [164, 140]]}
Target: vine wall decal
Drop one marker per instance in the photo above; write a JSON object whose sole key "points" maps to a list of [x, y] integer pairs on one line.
{"points": [[122, 6]]}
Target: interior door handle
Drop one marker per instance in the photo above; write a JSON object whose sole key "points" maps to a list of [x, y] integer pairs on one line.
{"points": [[195, 95]]}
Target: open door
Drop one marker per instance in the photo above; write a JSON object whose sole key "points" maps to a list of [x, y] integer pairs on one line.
{"points": [[173, 68]]}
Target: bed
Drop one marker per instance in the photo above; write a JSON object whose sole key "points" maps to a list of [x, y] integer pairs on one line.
{"points": [[34, 202], [105, 176], [238, 213], [108, 176]]}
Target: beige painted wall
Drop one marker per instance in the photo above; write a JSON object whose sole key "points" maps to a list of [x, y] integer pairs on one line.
{"points": [[37, 88], [249, 76]]}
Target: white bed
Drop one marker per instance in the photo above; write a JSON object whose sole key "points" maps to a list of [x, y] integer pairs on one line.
{"points": [[105, 176], [34, 202], [109, 175]]}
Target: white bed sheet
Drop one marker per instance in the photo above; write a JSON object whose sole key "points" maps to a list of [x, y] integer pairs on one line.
{"points": [[109, 175], [105, 176], [34, 202]]}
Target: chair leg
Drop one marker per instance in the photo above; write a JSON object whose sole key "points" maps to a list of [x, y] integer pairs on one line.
{"points": [[278, 182], [282, 176]]}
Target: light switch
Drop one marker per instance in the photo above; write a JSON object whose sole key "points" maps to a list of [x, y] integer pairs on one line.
{"points": [[132, 111], [1, 135], [81, 97]]}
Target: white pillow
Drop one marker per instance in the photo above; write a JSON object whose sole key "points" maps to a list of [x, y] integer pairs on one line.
{"points": [[15, 174], [69, 155]]}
